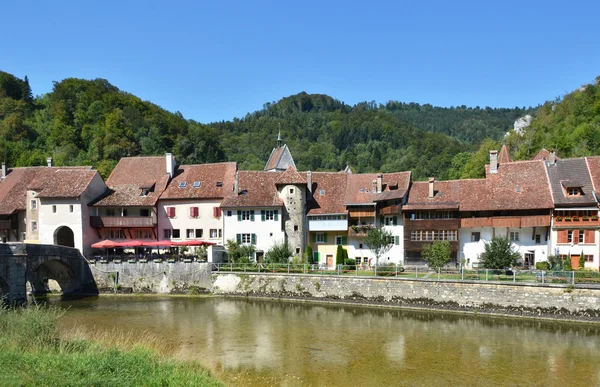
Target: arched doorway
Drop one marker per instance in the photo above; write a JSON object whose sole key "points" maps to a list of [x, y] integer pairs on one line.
{"points": [[63, 236]]}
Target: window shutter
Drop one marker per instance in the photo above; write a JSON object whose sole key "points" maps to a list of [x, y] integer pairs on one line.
{"points": [[562, 236], [344, 240], [219, 212], [239, 215], [215, 212], [194, 212], [253, 239], [252, 216], [238, 238], [314, 238], [262, 215], [171, 212], [276, 214], [396, 239], [318, 256], [325, 237], [395, 220], [590, 236], [575, 237]]}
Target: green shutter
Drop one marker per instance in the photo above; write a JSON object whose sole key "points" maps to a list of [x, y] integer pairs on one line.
{"points": [[325, 237], [253, 239], [314, 237], [239, 216], [397, 240], [238, 237], [276, 214], [318, 256], [344, 240], [395, 220], [252, 216], [262, 215], [381, 221]]}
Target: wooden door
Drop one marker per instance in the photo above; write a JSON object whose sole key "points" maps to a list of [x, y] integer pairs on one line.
{"points": [[574, 261], [330, 260]]}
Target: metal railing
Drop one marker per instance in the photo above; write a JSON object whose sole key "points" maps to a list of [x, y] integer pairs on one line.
{"points": [[462, 274]]}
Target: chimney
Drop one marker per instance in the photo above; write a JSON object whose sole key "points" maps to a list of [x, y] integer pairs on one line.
{"points": [[309, 181], [170, 164], [379, 183], [236, 183], [49, 161], [493, 161], [431, 191], [552, 158], [3, 170]]}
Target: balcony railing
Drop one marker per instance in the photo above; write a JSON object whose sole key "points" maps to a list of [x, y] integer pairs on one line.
{"points": [[122, 221], [576, 221], [359, 230], [390, 210], [506, 221]]}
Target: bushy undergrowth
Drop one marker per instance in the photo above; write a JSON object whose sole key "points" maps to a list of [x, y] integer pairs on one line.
{"points": [[32, 353]]}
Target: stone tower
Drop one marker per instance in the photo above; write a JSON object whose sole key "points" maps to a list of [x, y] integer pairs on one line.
{"points": [[291, 187]]}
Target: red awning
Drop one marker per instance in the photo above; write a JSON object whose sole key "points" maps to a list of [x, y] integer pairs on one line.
{"points": [[130, 243], [193, 242], [105, 244], [162, 243]]}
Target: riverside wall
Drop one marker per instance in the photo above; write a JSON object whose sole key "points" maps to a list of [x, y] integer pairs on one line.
{"points": [[152, 277], [535, 300]]}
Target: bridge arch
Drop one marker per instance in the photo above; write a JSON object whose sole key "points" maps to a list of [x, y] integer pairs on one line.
{"points": [[57, 269], [64, 236]]}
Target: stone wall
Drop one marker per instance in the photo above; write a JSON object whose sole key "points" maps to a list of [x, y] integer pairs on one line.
{"points": [[153, 277], [531, 299]]}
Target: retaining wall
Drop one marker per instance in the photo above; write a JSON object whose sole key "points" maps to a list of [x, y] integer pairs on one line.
{"points": [[153, 277], [521, 299]]}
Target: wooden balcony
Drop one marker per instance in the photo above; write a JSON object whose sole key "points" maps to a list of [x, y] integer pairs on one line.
{"points": [[390, 210], [574, 222], [419, 245], [506, 221], [431, 224], [358, 231], [361, 213], [123, 221]]}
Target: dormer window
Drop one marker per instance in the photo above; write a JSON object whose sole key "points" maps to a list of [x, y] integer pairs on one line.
{"points": [[574, 191], [361, 190], [182, 184], [322, 192], [144, 192], [219, 183], [197, 184]]}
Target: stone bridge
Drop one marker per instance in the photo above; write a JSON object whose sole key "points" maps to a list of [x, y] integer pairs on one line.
{"points": [[33, 264]]}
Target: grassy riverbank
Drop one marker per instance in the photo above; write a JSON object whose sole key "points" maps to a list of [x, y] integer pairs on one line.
{"points": [[32, 353]]}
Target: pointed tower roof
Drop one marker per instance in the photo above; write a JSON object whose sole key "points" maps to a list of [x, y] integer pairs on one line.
{"points": [[291, 176], [504, 156], [280, 158]]}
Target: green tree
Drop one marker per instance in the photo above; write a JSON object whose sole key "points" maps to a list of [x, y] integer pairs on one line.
{"points": [[499, 254], [379, 241], [279, 252], [308, 253], [339, 256], [238, 253], [437, 254], [582, 262], [567, 265]]}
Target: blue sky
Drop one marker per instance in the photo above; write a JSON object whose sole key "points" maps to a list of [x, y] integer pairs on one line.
{"points": [[222, 59]]}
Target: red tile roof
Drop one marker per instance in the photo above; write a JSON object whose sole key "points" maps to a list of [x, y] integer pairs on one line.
{"points": [[593, 164], [49, 181], [543, 154], [209, 175], [291, 176], [504, 156], [362, 188], [129, 175], [329, 190], [257, 189], [520, 185], [62, 182], [446, 195]]}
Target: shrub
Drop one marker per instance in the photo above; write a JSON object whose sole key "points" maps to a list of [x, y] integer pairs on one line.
{"points": [[279, 253], [581, 262], [339, 255], [309, 254], [567, 264], [386, 270], [542, 266]]}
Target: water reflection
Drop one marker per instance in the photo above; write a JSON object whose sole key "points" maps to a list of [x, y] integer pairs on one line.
{"points": [[268, 342]]}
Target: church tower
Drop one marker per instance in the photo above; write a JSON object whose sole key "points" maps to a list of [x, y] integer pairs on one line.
{"points": [[280, 158]]}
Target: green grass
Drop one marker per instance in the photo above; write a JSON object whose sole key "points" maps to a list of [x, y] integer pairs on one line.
{"points": [[32, 353]]}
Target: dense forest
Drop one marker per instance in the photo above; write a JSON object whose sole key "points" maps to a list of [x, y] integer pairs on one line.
{"points": [[91, 122]]}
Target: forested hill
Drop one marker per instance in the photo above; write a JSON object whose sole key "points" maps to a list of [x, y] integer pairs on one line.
{"points": [[570, 125], [93, 122]]}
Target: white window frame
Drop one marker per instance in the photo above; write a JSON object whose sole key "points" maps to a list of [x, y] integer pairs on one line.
{"points": [[190, 233], [269, 215], [33, 204], [341, 240], [245, 215], [514, 236], [34, 226], [246, 239], [213, 233], [320, 237]]}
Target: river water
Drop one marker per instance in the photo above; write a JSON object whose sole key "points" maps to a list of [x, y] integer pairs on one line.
{"points": [[261, 342]]}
